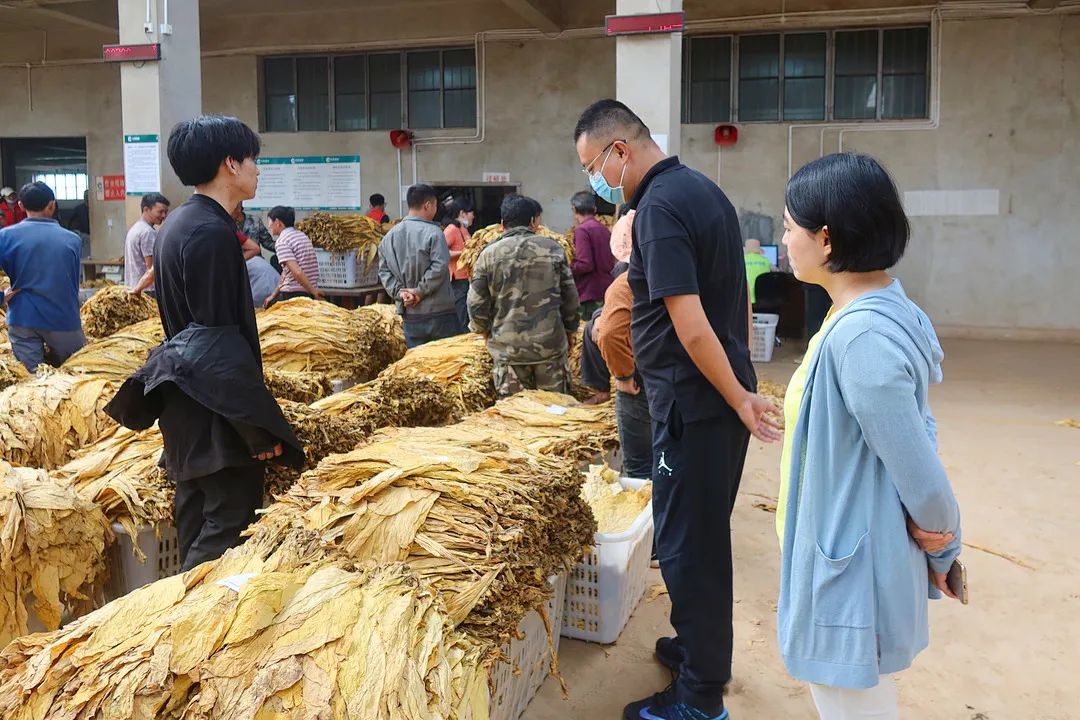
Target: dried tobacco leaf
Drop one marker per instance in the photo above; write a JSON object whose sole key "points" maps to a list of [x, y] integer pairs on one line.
{"points": [[113, 308], [119, 355]]}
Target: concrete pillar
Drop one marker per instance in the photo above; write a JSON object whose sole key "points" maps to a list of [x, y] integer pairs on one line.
{"points": [[648, 72], [157, 95]]}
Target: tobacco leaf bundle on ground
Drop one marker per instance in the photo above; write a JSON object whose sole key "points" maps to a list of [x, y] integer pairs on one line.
{"points": [[119, 473], [614, 507], [342, 233], [485, 522], [52, 545], [550, 424], [255, 635], [309, 335], [298, 386], [321, 433], [45, 419], [119, 355], [113, 308], [11, 370]]}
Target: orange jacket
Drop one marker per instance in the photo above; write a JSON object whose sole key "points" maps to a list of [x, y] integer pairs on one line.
{"points": [[613, 327]]}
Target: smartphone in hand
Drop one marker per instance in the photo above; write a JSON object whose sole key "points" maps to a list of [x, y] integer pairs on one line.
{"points": [[957, 581]]}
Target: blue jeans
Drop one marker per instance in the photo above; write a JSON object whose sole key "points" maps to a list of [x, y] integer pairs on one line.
{"points": [[635, 434], [418, 332], [28, 345]]}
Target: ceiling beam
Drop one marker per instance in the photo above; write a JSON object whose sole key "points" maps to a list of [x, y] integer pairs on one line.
{"points": [[1043, 4], [61, 16], [534, 12]]}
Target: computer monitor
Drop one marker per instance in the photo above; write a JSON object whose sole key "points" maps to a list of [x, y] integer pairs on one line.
{"points": [[773, 253]]}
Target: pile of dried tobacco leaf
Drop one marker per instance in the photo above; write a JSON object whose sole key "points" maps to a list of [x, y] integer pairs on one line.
{"points": [[614, 507], [342, 233], [52, 545], [119, 355], [299, 386], [485, 236], [310, 335], [45, 419], [113, 308]]}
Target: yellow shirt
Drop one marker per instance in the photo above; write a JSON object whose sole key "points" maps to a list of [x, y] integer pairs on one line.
{"points": [[792, 402]]}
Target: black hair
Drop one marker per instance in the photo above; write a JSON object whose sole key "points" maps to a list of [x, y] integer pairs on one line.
{"points": [[197, 147], [149, 200], [538, 209], [854, 196], [376, 200], [286, 215], [420, 194], [608, 118], [518, 211], [584, 203], [461, 206], [36, 196]]}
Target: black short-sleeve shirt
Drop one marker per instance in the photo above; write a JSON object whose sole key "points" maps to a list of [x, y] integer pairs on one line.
{"points": [[686, 242]]}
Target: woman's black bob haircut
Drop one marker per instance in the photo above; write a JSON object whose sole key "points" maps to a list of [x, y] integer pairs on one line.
{"points": [[854, 196], [198, 147]]}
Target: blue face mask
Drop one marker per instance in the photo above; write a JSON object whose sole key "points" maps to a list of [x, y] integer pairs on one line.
{"points": [[601, 187]]}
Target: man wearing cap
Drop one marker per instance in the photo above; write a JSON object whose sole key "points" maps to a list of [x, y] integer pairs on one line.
{"points": [[10, 210], [42, 260]]}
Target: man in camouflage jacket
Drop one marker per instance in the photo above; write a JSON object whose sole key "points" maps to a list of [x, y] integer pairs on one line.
{"points": [[524, 301]]}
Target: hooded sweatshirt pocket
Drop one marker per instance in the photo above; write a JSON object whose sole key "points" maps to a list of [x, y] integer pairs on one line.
{"points": [[843, 588]]}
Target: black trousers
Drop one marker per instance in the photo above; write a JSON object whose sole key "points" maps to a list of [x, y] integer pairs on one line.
{"points": [[635, 433], [696, 474], [594, 371], [211, 512]]}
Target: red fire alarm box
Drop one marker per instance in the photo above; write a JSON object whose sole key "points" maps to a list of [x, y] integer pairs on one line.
{"points": [[401, 139], [726, 135]]}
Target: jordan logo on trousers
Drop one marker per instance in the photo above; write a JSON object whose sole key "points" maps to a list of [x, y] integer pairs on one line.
{"points": [[663, 467]]}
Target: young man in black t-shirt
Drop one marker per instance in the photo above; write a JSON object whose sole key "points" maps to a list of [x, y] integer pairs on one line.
{"points": [[690, 333]]}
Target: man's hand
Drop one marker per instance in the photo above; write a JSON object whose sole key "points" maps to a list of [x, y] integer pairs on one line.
{"points": [[409, 297], [270, 300], [278, 450], [760, 417], [319, 294], [10, 293], [930, 542], [135, 291], [941, 582], [628, 387], [598, 399]]}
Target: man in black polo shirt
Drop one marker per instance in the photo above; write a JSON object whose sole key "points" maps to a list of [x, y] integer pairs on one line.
{"points": [[690, 333]]}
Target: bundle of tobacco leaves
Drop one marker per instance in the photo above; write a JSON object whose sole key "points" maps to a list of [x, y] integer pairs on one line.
{"points": [[45, 419], [52, 546], [255, 635], [119, 355], [11, 370], [484, 521], [298, 386], [550, 424], [119, 474], [342, 233], [309, 335], [614, 507], [485, 236], [321, 433], [113, 308]]}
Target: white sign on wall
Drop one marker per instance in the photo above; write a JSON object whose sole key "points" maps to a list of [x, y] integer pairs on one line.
{"points": [[309, 183], [142, 164]]}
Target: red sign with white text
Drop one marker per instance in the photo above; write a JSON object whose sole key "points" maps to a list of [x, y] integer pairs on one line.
{"points": [[114, 187]]}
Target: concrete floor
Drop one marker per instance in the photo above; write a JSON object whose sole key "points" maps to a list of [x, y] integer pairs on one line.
{"points": [[1012, 654]]}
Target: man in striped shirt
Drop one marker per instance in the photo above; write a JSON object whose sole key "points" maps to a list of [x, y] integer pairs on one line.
{"points": [[299, 268]]}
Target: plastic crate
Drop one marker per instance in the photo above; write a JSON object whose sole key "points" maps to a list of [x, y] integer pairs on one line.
{"points": [[608, 583], [345, 270], [764, 337], [516, 683], [127, 573]]}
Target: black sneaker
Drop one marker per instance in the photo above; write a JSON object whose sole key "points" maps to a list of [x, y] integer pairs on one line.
{"points": [[669, 653], [665, 706]]}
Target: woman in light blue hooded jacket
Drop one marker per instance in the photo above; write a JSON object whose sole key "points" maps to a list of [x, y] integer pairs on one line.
{"points": [[862, 467]]}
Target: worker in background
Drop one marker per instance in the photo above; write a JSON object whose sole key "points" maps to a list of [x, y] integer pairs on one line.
{"points": [[378, 209], [42, 260], [204, 386], [299, 267], [139, 244], [254, 229], [592, 254], [523, 300], [612, 330], [263, 278], [80, 216], [414, 267], [462, 215], [756, 265], [691, 346], [10, 210]]}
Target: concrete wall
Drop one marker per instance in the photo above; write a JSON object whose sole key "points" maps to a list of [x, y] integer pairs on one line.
{"points": [[74, 101], [1010, 120]]}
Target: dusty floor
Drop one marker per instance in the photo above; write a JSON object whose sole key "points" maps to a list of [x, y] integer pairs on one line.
{"points": [[1013, 654]]}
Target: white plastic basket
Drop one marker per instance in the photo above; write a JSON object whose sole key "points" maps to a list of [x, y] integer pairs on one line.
{"points": [[345, 270], [606, 586], [127, 573], [516, 683], [764, 337]]}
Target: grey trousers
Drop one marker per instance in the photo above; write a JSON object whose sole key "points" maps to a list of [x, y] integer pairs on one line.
{"points": [[28, 345]]}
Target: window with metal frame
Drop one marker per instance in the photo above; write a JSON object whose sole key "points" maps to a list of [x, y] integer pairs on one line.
{"points": [[371, 91], [65, 185]]}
